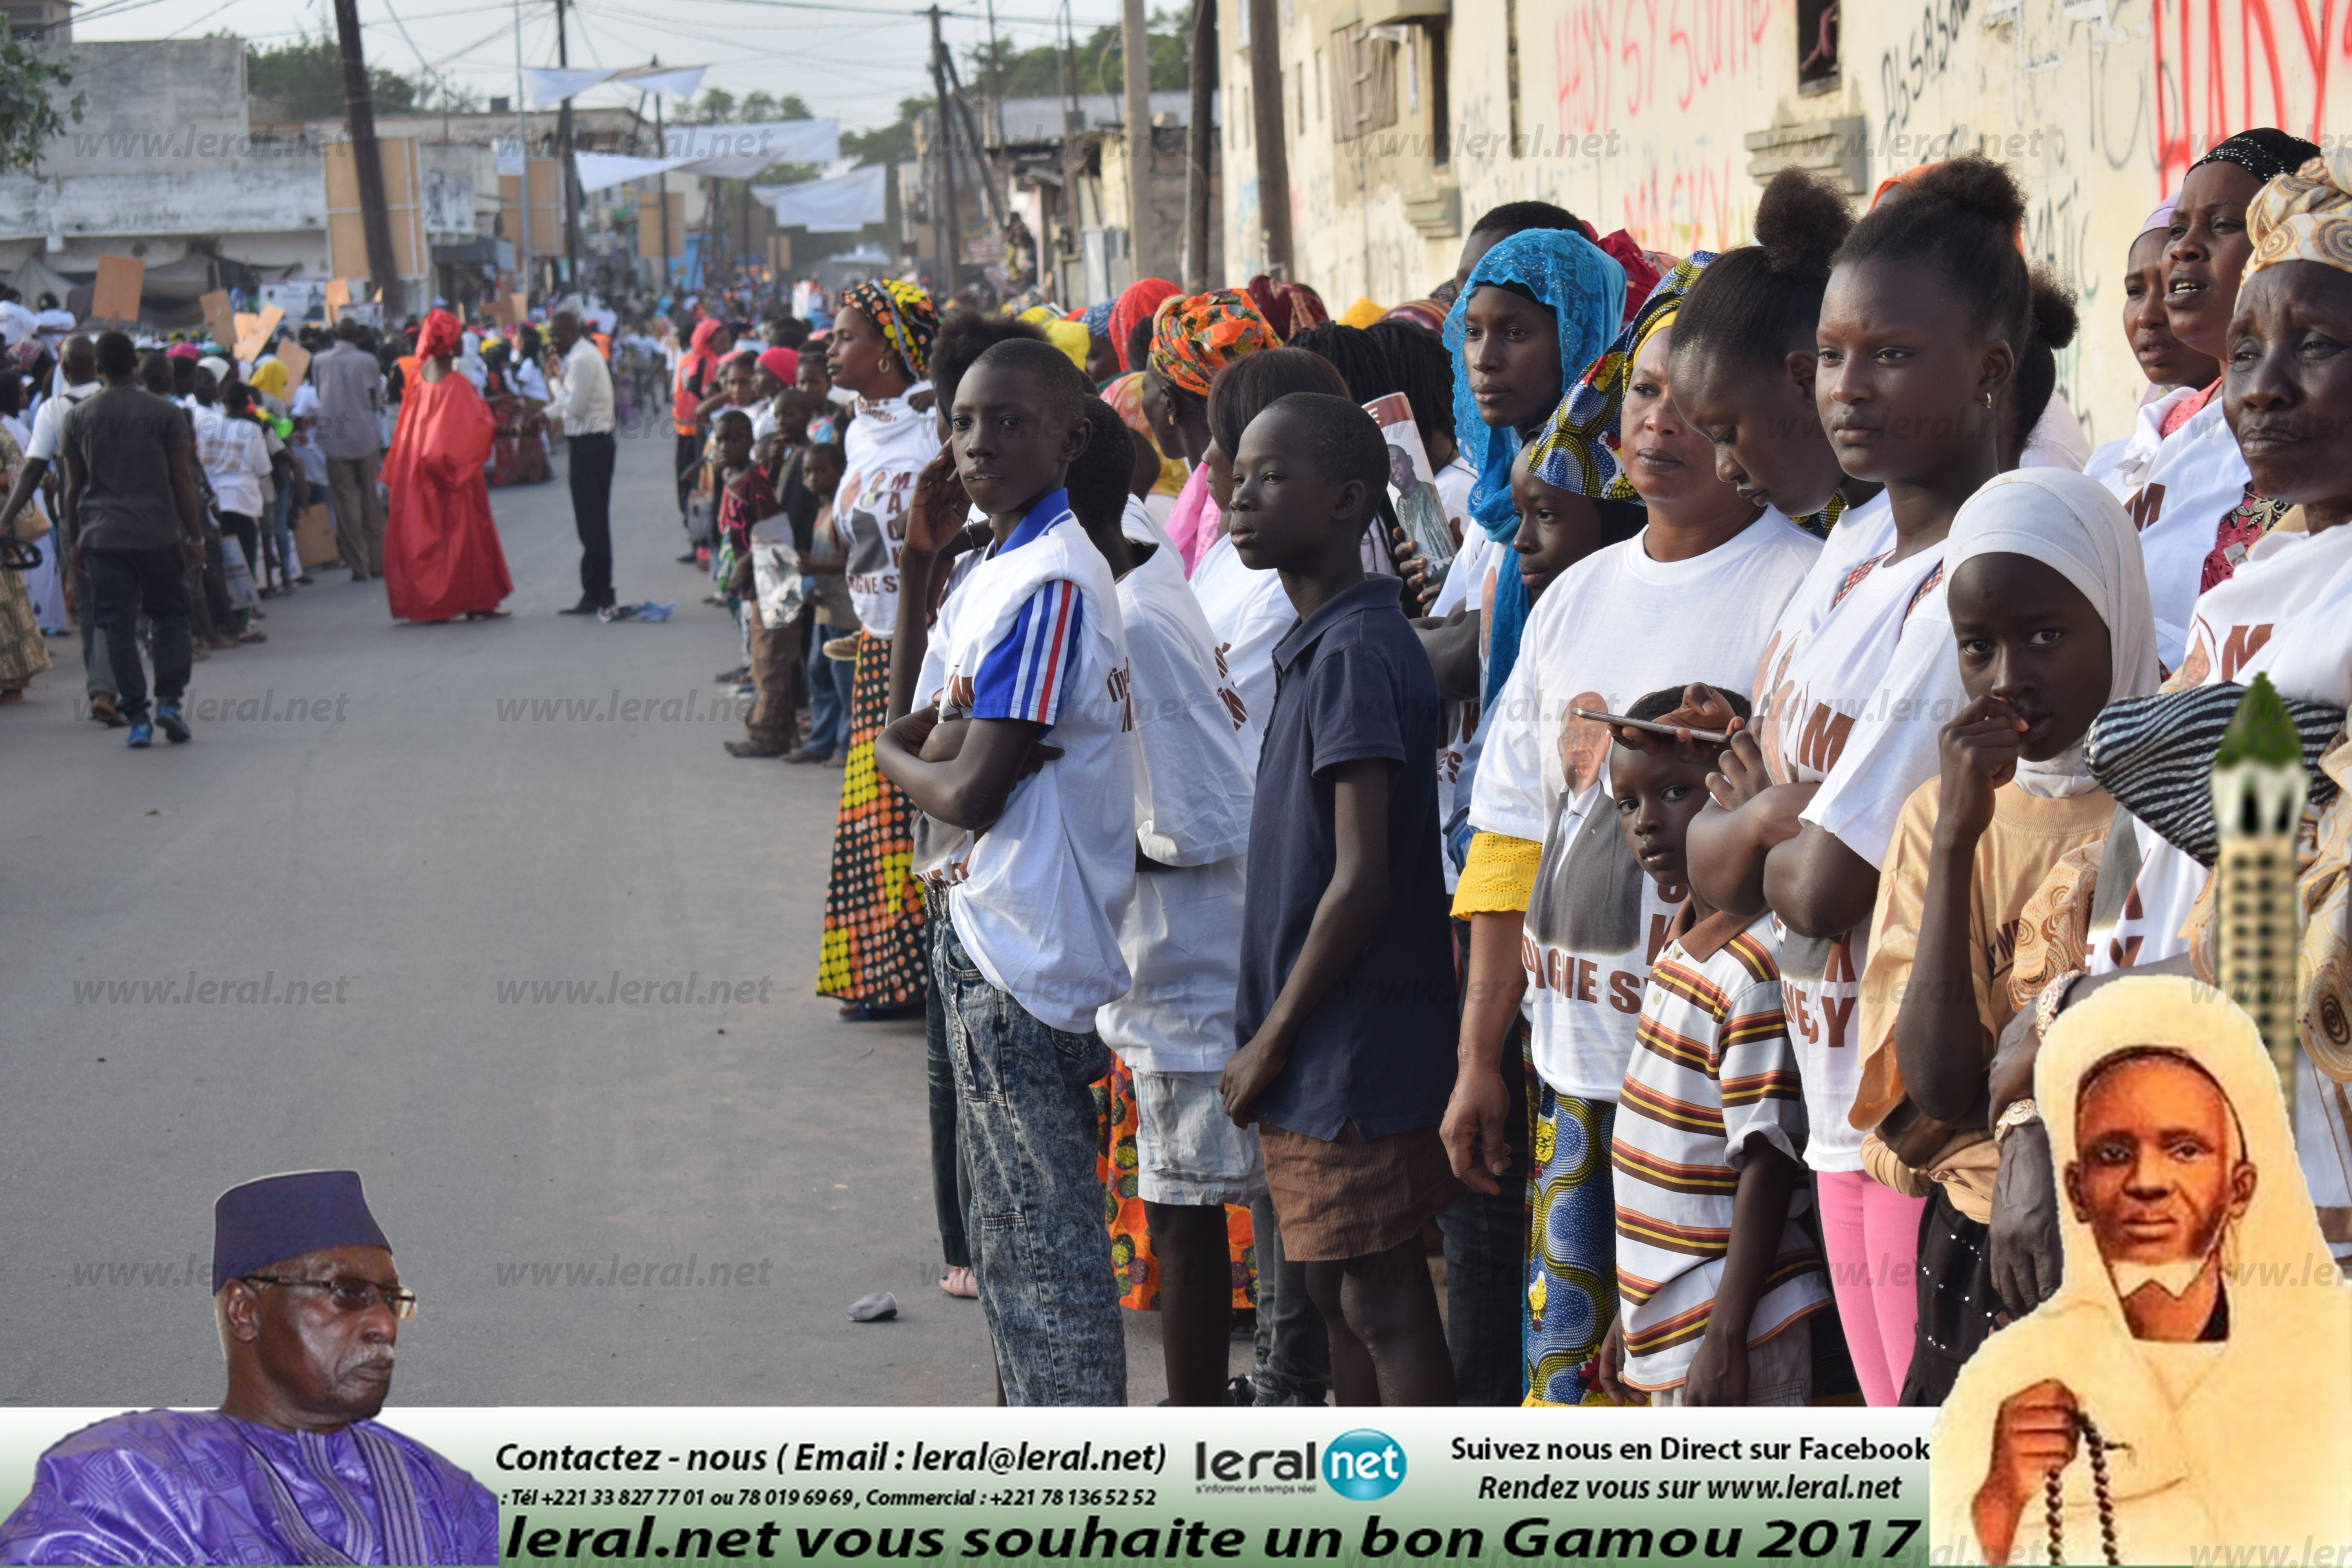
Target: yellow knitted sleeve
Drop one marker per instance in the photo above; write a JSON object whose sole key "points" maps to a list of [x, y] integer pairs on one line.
{"points": [[1499, 874]]}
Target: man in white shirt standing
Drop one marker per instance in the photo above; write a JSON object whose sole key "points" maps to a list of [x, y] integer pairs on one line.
{"points": [[582, 405], [78, 368]]}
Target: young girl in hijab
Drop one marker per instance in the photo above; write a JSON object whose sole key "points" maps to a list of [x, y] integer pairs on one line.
{"points": [[1559, 909], [2049, 615]]}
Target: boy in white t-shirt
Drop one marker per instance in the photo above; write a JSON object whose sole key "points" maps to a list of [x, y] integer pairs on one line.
{"points": [[1031, 645], [1182, 936]]}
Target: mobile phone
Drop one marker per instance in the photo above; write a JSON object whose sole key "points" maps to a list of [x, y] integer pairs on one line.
{"points": [[1712, 737]]}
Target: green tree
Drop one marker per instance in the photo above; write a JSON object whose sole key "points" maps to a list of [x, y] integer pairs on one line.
{"points": [[306, 75], [716, 107], [28, 104], [1101, 62]]}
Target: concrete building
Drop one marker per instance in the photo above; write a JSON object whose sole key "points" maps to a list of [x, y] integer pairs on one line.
{"points": [[1406, 119], [164, 166], [1071, 190]]}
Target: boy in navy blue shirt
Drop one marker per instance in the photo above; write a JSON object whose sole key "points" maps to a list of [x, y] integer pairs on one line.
{"points": [[1346, 1010]]}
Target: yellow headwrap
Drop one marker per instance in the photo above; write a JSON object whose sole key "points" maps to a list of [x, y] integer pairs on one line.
{"points": [[1362, 314], [1070, 337], [269, 376], [2305, 216]]}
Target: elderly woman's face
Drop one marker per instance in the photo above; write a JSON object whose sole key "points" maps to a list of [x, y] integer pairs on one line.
{"points": [[2287, 387]]}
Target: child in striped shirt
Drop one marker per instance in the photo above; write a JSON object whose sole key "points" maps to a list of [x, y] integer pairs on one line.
{"points": [[1715, 1275]]}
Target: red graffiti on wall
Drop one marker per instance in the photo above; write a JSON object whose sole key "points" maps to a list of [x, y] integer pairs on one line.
{"points": [[1615, 58], [2225, 65], [1681, 205]]}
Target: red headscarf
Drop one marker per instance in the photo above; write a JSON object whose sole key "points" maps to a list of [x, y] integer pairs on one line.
{"points": [[1288, 307], [1137, 304], [438, 338], [781, 363]]}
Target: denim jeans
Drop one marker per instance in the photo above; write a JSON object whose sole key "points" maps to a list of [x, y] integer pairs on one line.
{"points": [[1292, 1355], [950, 1181], [829, 685], [1040, 1249], [124, 584], [1485, 1270]]}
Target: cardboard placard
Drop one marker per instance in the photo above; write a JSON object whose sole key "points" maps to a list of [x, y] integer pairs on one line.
{"points": [[219, 319], [116, 297], [314, 536], [503, 311], [241, 323], [338, 294], [250, 344], [296, 360]]}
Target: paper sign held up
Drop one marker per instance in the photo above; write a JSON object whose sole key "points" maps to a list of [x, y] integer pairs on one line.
{"points": [[219, 319], [116, 297], [338, 294], [249, 344], [296, 360]]}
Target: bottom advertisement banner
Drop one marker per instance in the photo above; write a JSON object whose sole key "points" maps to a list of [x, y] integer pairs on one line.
{"points": [[667, 1486]]}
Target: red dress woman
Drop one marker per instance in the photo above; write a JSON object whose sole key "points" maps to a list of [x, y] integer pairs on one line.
{"points": [[441, 554]]}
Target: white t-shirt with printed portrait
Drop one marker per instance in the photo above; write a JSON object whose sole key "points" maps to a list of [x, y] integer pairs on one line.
{"points": [[885, 447], [1612, 629], [1249, 612]]}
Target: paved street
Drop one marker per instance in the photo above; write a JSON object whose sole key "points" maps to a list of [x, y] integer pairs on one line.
{"points": [[459, 809]]}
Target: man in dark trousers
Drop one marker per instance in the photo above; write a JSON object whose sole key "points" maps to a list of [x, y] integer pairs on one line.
{"points": [[584, 408], [131, 508]]}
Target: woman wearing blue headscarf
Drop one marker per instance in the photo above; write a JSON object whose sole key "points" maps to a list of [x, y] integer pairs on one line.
{"points": [[1538, 308]]}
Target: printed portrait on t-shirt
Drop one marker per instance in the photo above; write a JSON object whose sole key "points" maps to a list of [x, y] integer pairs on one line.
{"points": [[1588, 892]]}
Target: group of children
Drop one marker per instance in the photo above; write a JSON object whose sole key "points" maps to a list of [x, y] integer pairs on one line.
{"points": [[1746, 732]]}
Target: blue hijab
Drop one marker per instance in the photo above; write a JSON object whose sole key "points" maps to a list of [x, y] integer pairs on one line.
{"points": [[1585, 289]]}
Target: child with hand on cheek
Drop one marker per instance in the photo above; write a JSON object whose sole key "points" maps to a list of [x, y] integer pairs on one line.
{"points": [[1031, 645], [1716, 1276], [1347, 1001]]}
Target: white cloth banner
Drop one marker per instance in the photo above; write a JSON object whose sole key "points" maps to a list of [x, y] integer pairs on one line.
{"points": [[842, 205], [684, 82], [740, 151], [602, 171], [547, 87]]}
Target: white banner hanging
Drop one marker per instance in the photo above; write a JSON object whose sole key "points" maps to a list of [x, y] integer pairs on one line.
{"points": [[547, 86], [842, 205], [682, 82], [740, 152]]}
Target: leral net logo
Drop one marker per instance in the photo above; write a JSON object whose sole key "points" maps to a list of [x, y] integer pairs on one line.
{"points": [[1363, 1465]]}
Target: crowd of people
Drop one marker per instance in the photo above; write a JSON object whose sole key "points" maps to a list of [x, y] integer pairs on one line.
{"points": [[1593, 772], [1646, 884]]}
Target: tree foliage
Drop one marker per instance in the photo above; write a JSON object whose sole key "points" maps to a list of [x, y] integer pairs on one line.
{"points": [[29, 104], [1101, 61], [306, 75]]}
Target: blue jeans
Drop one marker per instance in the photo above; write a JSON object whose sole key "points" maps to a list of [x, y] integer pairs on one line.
{"points": [[1039, 1247], [829, 685]]}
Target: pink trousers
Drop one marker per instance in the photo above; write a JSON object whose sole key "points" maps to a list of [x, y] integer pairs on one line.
{"points": [[1872, 1234]]}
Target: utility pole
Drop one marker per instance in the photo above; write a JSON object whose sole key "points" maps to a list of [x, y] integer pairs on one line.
{"points": [[570, 167], [1273, 165], [359, 107], [1135, 52], [1202, 145], [950, 231], [661, 150], [522, 165]]}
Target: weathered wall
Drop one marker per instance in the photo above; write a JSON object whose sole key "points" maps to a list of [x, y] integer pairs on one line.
{"points": [[1633, 114]]}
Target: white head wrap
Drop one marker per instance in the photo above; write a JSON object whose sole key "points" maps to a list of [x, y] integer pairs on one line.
{"points": [[2071, 524]]}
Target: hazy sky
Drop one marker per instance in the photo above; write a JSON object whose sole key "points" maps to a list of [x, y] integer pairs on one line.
{"points": [[854, 59]]}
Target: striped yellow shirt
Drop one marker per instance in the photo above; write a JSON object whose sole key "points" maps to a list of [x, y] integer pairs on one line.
{"points": [[1712, 1067]]}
